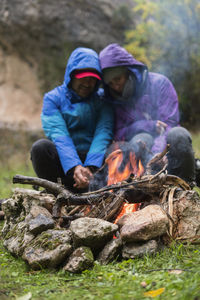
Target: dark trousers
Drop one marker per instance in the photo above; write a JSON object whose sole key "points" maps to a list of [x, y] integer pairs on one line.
{"points": [[47, 165], [181, 161]]}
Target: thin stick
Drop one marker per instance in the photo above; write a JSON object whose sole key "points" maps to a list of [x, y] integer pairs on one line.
{"points": [[159, 156]]}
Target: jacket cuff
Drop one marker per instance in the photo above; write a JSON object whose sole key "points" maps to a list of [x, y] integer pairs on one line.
{"points": [[94, 159]]}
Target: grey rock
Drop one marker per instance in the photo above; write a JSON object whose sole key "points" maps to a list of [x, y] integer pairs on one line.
{"points": [[36, 210], [40, 223], [110, 251], [133, 250], [35, 200], [81, 259], [49, 249], [12, 207], [143, 225], [80, 22], [37, 38], [17, 238], [92, 232], [25, 201]]}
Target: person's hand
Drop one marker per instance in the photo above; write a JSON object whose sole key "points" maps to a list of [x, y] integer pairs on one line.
{"points": [[82, 176], [160, 127]]}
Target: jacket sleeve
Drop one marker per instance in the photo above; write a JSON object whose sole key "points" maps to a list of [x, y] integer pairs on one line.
{"points": [[167, 111], [164, 108], [127, 132], [102, 137], [56, 130]]}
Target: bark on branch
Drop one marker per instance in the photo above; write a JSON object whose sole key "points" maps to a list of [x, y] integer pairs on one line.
{"points": [[104, 202], [151, 182]]}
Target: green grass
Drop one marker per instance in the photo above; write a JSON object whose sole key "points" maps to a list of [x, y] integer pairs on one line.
{"points": [[119, 280], [196, 143], [10, 170], [116, 281]]}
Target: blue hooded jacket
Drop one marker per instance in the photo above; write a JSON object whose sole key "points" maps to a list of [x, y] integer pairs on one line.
{"points": [[75, 124]]}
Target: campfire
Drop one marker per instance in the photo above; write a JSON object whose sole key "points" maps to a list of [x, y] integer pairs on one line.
{"points": [[129, 187], [130, 216], [133, 168]]}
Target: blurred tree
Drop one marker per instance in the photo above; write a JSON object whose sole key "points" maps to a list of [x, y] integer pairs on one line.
{"points": [[122, 17], [167, 39]]}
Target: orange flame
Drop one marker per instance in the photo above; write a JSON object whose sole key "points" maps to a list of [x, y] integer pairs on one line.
{"points": [[133, 166], [127, 208], [114, 161]]}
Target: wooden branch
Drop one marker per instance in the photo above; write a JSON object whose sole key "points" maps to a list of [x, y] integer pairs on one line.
{"points": [[133, 192], [156, 159], [54, 188], [159, 156], [108, 206], [150, 181]]}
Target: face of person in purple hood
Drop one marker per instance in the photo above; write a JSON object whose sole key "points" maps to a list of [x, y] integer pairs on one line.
{"points": [[116, 78], [117, 83], [121, 71]]}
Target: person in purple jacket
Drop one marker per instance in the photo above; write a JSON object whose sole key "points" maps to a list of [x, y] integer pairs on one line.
{"points": [[146, 111]]}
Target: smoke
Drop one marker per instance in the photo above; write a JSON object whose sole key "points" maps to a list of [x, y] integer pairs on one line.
{"points": [[179, 39], [167, 40]]}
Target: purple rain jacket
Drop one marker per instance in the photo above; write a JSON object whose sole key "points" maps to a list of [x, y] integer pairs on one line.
{"points": [[155, 99]]}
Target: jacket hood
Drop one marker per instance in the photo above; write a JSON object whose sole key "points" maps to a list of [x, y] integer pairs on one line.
{"points": [[81, 58], [115, 56]]}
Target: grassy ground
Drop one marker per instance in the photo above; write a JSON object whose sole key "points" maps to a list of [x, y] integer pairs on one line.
{"points": [[11, 169], [173, 273], [196, 143]]}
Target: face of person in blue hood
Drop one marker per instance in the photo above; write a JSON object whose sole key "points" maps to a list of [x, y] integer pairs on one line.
{"points": [[85, 86]]}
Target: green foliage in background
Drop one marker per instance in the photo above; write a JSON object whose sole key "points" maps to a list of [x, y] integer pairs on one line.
{"points": [[122, 17], [167, 39], [196, 143]]}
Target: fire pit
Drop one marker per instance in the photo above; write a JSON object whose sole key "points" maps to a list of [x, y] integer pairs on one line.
{"points": [[136, 213]]}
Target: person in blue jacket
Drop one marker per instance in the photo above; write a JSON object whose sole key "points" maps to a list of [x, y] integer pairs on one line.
{"points": [[77, 123]]}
